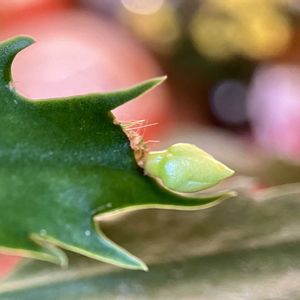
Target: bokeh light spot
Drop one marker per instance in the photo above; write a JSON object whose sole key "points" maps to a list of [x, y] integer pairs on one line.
{"points": [[145, 7], [160, 30], [228, 102]]}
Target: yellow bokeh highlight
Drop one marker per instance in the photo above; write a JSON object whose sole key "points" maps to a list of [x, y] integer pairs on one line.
{"points": [[252, 28], [160, 30], [144, 7]]}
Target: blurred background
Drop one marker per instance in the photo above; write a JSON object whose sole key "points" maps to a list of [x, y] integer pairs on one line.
{"points": [[233, 70]]}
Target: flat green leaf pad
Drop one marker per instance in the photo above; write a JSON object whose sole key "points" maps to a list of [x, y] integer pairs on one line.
{"points": [[64, 161]]}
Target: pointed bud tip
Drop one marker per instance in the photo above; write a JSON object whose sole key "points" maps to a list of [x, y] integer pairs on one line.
{"points": [[227, 172]]}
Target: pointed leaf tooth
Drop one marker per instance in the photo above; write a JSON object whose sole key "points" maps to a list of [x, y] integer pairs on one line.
{"points": [[116, 99], [9, 49], [97, 246], [52, 253]]}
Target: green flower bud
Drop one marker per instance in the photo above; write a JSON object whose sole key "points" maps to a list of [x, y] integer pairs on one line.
{"points": [[186, 168]]}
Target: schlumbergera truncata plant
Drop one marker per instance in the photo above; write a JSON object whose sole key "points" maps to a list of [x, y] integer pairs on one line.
{"points": [[66, 162]]}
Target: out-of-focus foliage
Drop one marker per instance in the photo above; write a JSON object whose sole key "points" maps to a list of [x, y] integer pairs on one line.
{"points": [[245, 248]]}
